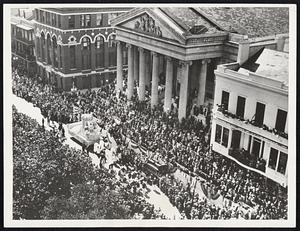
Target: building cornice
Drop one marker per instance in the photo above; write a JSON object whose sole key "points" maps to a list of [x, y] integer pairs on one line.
{"points": [[81, 13], [238, 77]]}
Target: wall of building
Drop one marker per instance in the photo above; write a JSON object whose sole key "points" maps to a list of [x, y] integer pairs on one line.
{"points": [[272, 99]]}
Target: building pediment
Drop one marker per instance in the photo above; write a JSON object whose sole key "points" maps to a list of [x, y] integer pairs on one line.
{"points": [[151, 22]]}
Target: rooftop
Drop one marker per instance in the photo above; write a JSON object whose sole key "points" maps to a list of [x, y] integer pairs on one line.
{"points": [[190, 20], [271, 64], [71, 10], [251, 21]]}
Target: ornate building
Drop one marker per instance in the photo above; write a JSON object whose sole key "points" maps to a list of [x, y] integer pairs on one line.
{"points": [[250, 122], [22, 40], [75, 46], [181, 47]]}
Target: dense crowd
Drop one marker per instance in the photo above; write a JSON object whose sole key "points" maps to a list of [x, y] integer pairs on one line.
{"points": [[184, 143], [45, 171]]}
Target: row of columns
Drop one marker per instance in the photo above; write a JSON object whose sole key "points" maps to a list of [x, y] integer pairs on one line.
{"points": [[138, 69]]}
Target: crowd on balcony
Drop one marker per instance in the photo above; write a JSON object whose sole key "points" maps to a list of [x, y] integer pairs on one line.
{"points": [[252, 122], [186, 145]]}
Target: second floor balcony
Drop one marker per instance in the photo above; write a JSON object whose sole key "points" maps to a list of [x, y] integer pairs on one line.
{"points": [[251, 126]]}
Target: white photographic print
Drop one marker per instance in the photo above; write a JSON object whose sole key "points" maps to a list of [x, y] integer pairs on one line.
{"points": [[132, 115]]}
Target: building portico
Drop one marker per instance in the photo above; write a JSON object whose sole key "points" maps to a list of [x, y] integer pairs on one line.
{"points": [[163, 48]]}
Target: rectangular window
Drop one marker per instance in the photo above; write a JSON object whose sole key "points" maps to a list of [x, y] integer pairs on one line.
{"points": [[218, 133], [282, 163], [71, 20], [259, 114], [240, 108], [225, 99], [72, 57], [53, 21], [60, 57], [42, 16], [256, 147], [37, 15], [236, 139], [273, 158], [85, 20], [225, 137], [47, 18], [59, 21], [280, 120], [98, 19]]}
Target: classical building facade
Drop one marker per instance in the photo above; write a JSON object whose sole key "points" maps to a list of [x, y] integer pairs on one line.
{"points": [[75, 46], [250, 113], [22, 41], [180, 48]]}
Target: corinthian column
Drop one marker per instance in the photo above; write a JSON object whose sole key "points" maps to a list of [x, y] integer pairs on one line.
{"points": [[202, 82], [183, 94], [130, 80], [169, 82], [154, 87], [119, 67], [142, 74]]}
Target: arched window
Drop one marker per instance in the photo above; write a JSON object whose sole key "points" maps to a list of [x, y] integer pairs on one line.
{"points": [[99, 45], [49, 49], [111, 40], [86, 53], [43, 40], [86, 43], [99, 42], [55, 58], [112, 50]]}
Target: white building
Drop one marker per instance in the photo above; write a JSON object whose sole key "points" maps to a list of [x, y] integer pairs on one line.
{"points": [[250, 113]]}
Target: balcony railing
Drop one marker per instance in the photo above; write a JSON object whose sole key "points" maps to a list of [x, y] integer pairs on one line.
{"points": [[252, 122], [248, 159]]}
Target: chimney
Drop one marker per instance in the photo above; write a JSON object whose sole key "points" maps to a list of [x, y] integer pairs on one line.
{"points": [[243, 52], [280, 40]]}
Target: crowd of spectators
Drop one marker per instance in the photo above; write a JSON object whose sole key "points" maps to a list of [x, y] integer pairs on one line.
{"points": [[184, 143], [45, 168]]}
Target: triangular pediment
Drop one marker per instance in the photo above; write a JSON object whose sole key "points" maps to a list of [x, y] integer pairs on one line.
{"points": [[152, 22]]}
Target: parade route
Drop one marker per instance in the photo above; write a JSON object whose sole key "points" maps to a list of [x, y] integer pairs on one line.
{"points": [[155, 195]]}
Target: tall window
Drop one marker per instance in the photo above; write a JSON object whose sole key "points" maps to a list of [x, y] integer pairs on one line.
{"points": [[53, 19], [37, 15], [47, 18], [60, 57], [112, 51], [273, 158], [218, 133], [42, 16], [236, 139], [49, 49], [43, 40], [55, 58], [72, 57], [240, 108], [98, 19], [99, 44], [281, 168], [259, 113], [225, 137], [225, 99], [86, 53], [71, 20], [256, 147], [280, 120], [85, 20], [59, 21]]}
